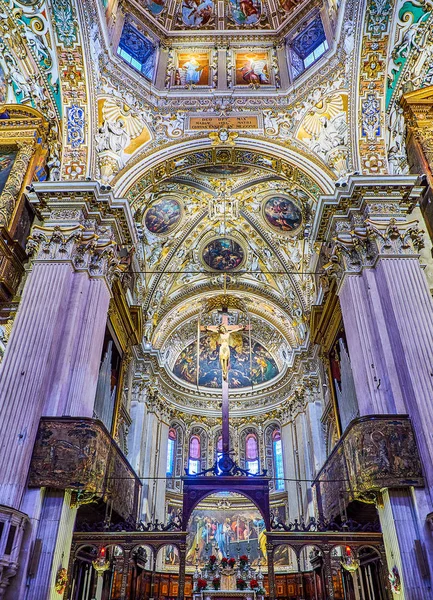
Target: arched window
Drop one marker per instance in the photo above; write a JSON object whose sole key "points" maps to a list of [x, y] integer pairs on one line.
{"points": [[194, 455], [278, 460], [171, 452], [251, 454], [219, 449]]}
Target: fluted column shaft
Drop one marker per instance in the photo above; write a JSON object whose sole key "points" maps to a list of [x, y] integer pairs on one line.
{"points": [[154, 468], [388, 318], [290, 471], [46, 368]]}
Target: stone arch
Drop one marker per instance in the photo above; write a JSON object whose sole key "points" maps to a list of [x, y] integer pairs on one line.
{"points": [[129, 176]]}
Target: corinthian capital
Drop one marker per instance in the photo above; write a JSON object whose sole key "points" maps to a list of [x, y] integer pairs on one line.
{"points": [[369, 219], [91, 250]]}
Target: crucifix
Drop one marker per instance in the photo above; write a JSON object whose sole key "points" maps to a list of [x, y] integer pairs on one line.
{"points": [[225, 331]]}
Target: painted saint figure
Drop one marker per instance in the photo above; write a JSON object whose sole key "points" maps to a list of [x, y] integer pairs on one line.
{"points": [[192, 71]]}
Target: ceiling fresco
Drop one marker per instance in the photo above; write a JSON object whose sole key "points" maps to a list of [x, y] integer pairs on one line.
{"points": [[282, 214], [163, 216], [263, 366], [223, 254], [205, 15]]}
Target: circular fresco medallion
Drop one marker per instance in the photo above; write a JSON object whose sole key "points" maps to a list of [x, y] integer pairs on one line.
{"points": [[163, 216], [223, 170], [282, 214], [223, 254]]}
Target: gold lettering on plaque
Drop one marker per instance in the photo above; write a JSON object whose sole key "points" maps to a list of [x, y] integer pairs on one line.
{"points": [[208, 123]]}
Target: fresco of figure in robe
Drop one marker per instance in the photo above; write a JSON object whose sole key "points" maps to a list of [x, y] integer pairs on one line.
{"points": [[156, 6], [289, 5], [196, 13], [246, 12], [192, 69], [252, 68]]}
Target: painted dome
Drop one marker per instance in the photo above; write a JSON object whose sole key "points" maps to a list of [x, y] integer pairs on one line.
{"points": [[263, 366]]}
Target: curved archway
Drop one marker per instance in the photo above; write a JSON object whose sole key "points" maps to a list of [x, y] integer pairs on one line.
{"points": [[196, 489], [128, 177]]}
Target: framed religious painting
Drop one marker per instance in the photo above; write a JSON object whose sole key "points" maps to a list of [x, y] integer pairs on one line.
{"points": [[252, 68], [192, 69], [164, 215], [282, 213], [223, 254], [246, 12]]}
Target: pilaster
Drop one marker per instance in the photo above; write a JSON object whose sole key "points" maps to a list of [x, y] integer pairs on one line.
{"points": [[50, 367], [373, 244], [155, 458]]}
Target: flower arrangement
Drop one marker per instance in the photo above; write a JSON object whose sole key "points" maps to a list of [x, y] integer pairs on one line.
{"points": [[212, 559], [61, 581], [216, 583], [231, 562], [243, 560], [241, 584], [394, 579], [201, 584], [254, 584]]}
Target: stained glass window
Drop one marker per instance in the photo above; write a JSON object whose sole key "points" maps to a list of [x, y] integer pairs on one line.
{"points": [[307, 46], [278, 461], [194, 455], [252, 454], [137, 50], [170, 452]]}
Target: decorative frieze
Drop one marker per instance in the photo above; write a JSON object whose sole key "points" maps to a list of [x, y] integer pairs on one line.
{"points": [[82, 224]]}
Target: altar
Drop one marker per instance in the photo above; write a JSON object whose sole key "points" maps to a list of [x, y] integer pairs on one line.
{"points": [[225, 594]]}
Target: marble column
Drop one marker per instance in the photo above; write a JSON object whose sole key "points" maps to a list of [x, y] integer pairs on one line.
{"points": [[290, 471], [400, 528], [388, 319], [155, 465], [52, 361], [138, 430]]}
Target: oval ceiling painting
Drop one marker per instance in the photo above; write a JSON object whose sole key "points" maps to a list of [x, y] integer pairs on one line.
{"points": [[223, 254], [263, 366], [246, 12], [283, 214], [223, 170], [163, 216]]}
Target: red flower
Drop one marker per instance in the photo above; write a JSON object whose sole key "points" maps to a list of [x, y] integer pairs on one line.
{"points": [[243, 558], [212, 558], [201, 584], [216, 580], [254, 584], [224, 560], [232, 562]]}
